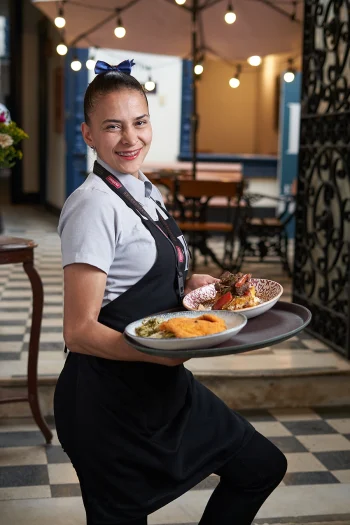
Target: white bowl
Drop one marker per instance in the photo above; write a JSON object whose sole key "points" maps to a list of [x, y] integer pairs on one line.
{"points": [[267, 291], [234, 322]]}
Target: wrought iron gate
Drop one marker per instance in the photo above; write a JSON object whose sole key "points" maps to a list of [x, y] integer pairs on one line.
{"points": [[322, 252]]}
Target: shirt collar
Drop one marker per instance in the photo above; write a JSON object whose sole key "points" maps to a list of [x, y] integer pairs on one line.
{"points": [[140, 188], [147, 183]]}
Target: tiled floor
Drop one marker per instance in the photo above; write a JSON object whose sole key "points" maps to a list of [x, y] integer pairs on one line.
{"points": [[301, 353], [37, 481]]}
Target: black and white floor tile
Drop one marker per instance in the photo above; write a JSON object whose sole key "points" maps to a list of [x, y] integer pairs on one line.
{"points": [[37, 483], [316, 443]]}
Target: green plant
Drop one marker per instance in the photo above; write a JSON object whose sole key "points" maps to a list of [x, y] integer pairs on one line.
{"points": [[10, 136]]}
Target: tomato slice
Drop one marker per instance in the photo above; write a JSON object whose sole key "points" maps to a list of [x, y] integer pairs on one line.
{"points": [[220, 303], [242, 280]]}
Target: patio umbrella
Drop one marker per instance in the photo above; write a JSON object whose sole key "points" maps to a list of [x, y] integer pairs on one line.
{"points": [[188, 30]]}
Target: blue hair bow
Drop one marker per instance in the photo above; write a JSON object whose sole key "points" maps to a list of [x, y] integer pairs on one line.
{"points": [[123, 67]]}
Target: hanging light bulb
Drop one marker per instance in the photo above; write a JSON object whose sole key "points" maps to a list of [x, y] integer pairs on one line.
{"points": [[120, 30], [230, 16], [234, 81], [289, 75], [150, 85], [62, 49], [198, 69], [60, 21], [75, 64], [180, 2], [90, 63], [254, 60]]}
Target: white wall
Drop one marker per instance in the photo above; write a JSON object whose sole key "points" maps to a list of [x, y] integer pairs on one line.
{"points": [[165, 105]]}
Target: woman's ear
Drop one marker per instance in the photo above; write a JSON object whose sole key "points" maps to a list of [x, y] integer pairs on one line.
{"points": [[85, 131]]}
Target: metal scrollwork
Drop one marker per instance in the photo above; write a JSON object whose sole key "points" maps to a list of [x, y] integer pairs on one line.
{"points": [[322, 254]]}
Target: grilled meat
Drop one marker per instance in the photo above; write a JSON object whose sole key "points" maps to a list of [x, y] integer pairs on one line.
{"points": [[235, 283]]}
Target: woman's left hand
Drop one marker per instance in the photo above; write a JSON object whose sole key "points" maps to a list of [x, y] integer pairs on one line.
{"points": [[197, 280]]}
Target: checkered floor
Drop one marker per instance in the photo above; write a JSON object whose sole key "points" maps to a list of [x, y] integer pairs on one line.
{"points": [[315, 442], [37, 482]]}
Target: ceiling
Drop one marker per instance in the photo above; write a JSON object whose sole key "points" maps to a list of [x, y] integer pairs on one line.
{"points": [[162, 27]]}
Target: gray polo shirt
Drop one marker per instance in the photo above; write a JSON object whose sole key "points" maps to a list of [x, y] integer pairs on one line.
{"points": [[97, 228]]}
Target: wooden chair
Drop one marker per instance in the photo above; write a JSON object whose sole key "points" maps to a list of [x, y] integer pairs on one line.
{"points": [[14, 250], [192, 199]]}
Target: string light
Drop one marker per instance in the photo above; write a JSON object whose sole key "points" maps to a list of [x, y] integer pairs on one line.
{"points": [[234, 81], [150, 85], [90, 63], [198, 69], [180, 2], [75, 64], [60, 21], [230, 16], [254, 60], [120, 30], [62, 49], [289, 75]]}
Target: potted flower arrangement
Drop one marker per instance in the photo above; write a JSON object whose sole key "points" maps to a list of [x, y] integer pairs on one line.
{"points": [[10, 136]]}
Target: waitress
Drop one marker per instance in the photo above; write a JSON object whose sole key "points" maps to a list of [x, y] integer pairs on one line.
{"points": [[139, 430]]}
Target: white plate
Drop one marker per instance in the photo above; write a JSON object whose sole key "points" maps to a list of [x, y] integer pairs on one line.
{"points": [[268, 291], [234, 322]]}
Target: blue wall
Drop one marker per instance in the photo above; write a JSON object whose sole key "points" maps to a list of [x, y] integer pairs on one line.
{"points": [[186, 109], [75, 85], [289, 138], [289, 129]]}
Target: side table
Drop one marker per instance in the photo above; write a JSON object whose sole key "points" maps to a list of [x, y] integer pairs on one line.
{"points": [[15, 250]]}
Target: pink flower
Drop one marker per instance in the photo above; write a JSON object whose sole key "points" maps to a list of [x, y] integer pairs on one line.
{"points": [[2, 117]]}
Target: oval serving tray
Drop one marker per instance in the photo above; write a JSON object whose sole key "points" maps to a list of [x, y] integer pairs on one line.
{"points": [[283, 321]]}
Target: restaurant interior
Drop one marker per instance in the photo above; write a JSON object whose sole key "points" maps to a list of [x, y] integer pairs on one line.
{"points": [[249, 103]]}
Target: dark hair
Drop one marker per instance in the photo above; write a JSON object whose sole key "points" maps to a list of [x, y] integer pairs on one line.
{"points": [[105, 83]]}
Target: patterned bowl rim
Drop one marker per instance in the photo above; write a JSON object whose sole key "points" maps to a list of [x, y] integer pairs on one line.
{"points": [[268, 281]]}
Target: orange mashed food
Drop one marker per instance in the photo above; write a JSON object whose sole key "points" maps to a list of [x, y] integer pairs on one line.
{"points": [[183, 327]]}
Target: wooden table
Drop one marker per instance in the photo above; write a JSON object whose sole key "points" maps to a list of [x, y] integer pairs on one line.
{"points": [[204, 172], [230, 169], [15, 250]]}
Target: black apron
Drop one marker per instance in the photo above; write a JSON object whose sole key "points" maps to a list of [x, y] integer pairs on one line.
{"points": [[141, 434]]}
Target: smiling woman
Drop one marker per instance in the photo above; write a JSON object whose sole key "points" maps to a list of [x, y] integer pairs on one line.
{"points": [[139, 429], [118, 128]]}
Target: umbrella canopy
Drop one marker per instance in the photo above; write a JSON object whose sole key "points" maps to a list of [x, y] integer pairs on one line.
{"points": [[163, 27]]}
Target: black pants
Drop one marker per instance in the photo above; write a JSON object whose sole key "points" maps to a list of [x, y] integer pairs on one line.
{"points": [[246, 481]]}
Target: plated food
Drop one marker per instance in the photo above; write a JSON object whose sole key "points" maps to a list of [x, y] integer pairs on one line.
{"points": [[181, 327], [235, 292], [186, 330]]}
